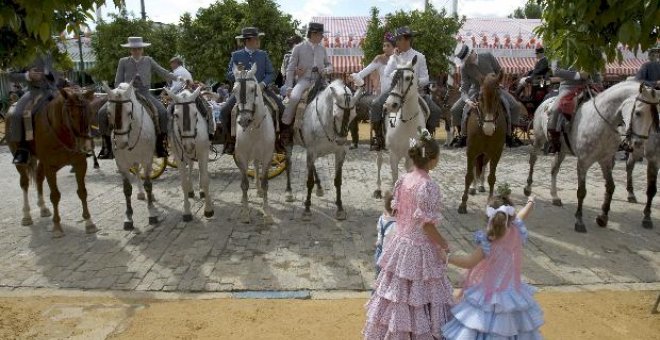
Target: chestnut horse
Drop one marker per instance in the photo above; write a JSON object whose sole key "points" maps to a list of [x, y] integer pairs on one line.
{"points": [[61, 137]]}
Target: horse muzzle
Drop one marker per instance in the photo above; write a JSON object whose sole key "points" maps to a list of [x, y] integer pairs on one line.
{"points": [[488, 128]]}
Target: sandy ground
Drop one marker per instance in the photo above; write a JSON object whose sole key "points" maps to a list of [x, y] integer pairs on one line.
{"points": [[584, 315]]}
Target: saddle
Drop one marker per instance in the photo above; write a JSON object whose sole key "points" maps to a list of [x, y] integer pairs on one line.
{"points": [[35, 105], [307, 97], [151, 109]]}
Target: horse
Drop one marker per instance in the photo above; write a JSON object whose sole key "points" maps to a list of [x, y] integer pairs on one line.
{"points": [[592, 137], [134, 139], [405, 118], [444, 95], [190, 143], [324, 131], [255, 138], [644, 145], [62, 135], [486, 132]]}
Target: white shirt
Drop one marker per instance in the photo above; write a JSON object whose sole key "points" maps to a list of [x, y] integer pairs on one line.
{"points": [[385, 79], [421, 70], [179, 85]]}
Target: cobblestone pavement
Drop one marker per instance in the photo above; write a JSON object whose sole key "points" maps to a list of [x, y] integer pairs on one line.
{"points": [[222, 254]]}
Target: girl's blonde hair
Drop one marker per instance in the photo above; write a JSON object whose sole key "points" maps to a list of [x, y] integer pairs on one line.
{"points": [[498, 224]]}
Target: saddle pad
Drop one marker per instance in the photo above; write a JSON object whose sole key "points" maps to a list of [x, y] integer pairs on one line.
{"points": [[568, 103]]}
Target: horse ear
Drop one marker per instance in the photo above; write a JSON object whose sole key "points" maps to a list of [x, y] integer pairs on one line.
{"points": [[64, 94], [359, 93], [196, 93], [253, 70], [414, 60], [235, 70], [89, 94], [500, 77], [641, 87], [106, 88]]}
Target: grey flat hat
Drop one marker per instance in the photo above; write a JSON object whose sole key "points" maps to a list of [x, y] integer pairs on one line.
{"points": [[135, 42]]}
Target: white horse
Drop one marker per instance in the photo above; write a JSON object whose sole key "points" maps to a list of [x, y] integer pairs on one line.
{"points": [[255, 138], [190, 142], [134, 137], [635, 115], [405, 118], [593, 137]]}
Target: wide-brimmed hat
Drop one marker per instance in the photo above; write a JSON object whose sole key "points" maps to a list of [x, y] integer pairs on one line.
{"points": [[404, 31], [135, 42], [250, 32], [315, 27], [461, 52], [539, 49]]}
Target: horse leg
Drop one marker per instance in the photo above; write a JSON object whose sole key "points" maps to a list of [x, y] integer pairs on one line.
{"points": [[141, 195], [128, 191], [533, 156], [148, 187], [317, 181], [379, 164], [186, 189], [651, 190], [265, 162], [559, 158], [51, 177], [491, 175], [307, 214], [287, 162], [581, 194], [25, 184], [478, 174], [81, 169], [257, 177], [394, 167], [469, 176], [630, 166], [204, 185], [40, 177], [245, 185], [606, 167], [447, 133], [339, 164], [187, 167]]}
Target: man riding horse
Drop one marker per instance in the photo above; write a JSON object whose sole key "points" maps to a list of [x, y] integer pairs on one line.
{"points": [[541, 70], [649, 73], [309, 61], [245, 58], [127, 69], [475, 66], [404, 38], [41, 80]]}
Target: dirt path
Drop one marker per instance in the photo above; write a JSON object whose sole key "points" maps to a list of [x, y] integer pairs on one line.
{"points": [[584, 315]]}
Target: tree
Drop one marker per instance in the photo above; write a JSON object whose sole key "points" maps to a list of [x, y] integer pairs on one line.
{"points": [[107, 40], [586, 34], [208, 40], [436, 35], [530, 11], [27, 27]]}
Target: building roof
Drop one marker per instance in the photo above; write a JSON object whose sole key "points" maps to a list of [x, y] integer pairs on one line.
{"points": [[70, 45]]}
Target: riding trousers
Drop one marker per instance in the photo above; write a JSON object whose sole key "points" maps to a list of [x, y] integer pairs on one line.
{"points": [[163, 121], [225, 110], [16, 133], [296, 94]]}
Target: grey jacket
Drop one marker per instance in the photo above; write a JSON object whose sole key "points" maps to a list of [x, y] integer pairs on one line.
{"points": [[128, 68], [471, 74], [307, 56]]}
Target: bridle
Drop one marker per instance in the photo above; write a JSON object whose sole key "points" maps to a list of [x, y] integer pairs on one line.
{"points": [[188, 125], [397, 81], [68, 123], [119, 105], [654, 114], [342, 131]]}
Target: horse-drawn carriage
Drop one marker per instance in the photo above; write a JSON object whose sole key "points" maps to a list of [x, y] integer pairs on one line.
{"points": [[530, 94]]}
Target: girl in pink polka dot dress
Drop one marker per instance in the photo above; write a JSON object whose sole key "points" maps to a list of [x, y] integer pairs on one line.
{"points": [[412, 297]]}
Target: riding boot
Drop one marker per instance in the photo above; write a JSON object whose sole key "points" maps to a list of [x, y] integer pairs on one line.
{"points": [[161, 145], [555, 141], [378, 142], [22, 154], [230, 144], [509, 141], [286, 134], [106, 149]]}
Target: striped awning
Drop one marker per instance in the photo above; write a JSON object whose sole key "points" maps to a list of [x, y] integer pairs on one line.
{"points": [[512, 65], [346, 63]]}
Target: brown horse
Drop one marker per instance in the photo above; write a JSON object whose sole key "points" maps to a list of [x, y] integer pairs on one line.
{"points": [[486, 133], [62, 136]]}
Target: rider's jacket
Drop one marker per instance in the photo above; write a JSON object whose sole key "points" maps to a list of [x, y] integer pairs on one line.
{"points": [[471, 74], [265, 73], [421, 70], [129, 67], [307, 56]]}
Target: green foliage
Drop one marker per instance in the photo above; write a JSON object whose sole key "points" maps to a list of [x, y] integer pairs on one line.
{"points": [[530, 11], [27, 26], [109, 36], [208, 40], [580, 33], [436, 35]]}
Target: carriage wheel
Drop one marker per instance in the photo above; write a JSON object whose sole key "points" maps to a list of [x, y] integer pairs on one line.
{"points": [[172, 162], [277, 166], [158, 166]]}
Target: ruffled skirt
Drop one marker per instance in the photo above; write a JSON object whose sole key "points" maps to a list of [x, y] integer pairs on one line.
{"points": [[412, 296], [508, 315]]}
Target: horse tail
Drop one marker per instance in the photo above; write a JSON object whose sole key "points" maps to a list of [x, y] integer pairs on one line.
{"points": [[31, 169], [479, 165]]}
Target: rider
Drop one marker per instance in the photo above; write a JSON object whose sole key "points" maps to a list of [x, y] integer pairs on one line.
{"points": [[178, 70], [650, 70], [41, 79], [251, 54], [291, 42], [127, 69], [306, 58], [541, 69], [378, 64], [475, 67], [403, 38]]}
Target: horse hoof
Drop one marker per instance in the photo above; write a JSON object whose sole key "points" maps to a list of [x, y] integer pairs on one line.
{"points": [[340, 215], [91, 229], [527, 191], [268, 220], [245, 216], [378, 194], [128, 226], [26, 221], [209, 214], [141, 196], [307, 216], [153, 220], [319, 192], [482, 189], [632, 199], [187, 218], [462, 209], [580, 228], [191, 194], [557, 202], [602, 221], [45, 212], [473, 191], [202, 194], [58, 234], [289, 197], [647, 223]]}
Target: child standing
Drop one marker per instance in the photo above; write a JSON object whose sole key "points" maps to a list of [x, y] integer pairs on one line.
{"points": [[413, 297], [385, 227], [496, 304]]}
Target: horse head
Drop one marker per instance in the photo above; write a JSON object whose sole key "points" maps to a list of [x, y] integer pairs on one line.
{"points": [[643, 115], [403, 81], [343, 109], [490, 105], [120, 111], [77, 115], [246, 90], [185, 116]]}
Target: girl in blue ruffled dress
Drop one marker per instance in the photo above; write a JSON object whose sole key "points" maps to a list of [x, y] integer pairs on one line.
{"points": [[495, 303]]}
